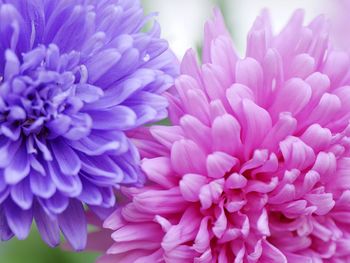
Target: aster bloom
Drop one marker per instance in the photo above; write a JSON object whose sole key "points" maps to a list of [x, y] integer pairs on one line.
{"points": [[75, 75], [256, 167]]}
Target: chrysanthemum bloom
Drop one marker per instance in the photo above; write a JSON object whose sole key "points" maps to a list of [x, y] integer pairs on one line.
{"points": [[257, 165], [74, 76]]}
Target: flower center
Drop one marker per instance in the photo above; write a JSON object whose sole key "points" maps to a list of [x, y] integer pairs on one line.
{"points": [[41, 94]]}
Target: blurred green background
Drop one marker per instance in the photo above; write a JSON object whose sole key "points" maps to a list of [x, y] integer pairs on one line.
{"points": [[33, 250], [182, 25]]}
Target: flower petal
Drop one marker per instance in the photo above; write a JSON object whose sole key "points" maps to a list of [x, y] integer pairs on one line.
{"points": [[73, 225], [18, 220], [68, 161], [47, 227]]}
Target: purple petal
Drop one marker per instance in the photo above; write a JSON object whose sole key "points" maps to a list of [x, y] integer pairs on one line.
{"points": [[12, 64], [16, 113], [73, 225], [145, 114], [157, 102], [11, 131], [18, 220], [3, 184], [18, 168], [91, 194], [99, 143], [7, 151], [33, 58], [108, 197], [43, 148], [101, 63], [119, 118], [101, 212], [81, 128], [103, 170], [41, 185], [57, 203], [36, 165], [22, 195], [47, 227], [59, 126], [68, 161], [70, 185], [119, 93], [4, 194], [5, 231], [88, 93], [132, 175]]}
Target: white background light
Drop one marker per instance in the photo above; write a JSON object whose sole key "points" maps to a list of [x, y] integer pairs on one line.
{"points": [[182, 21]]}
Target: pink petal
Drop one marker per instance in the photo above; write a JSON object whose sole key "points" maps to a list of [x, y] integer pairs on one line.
{"points": [[211, 193], [255, 122], [159, 170], [249, 73], [317, 137], [219, 163], [190, 186], [292, 97], [187, 157], [226, 127]]}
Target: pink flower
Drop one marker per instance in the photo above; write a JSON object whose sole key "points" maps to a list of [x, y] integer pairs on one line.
{"points": [[257, 165]]}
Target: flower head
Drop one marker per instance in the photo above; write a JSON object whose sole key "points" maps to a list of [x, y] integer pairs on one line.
{"points": [[256, 166], [74, 77]]}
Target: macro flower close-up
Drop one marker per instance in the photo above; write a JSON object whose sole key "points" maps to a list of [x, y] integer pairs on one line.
{"points": [[255, 167], [75, 76], [174, 131]]}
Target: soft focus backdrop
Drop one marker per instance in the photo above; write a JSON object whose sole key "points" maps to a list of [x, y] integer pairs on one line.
{"points": [[182, 24]]}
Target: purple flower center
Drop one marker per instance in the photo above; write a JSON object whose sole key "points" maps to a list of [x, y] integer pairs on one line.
{"points": [[43, 95]]}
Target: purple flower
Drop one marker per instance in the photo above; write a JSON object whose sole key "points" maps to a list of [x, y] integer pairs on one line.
{"points": [[74, 77]]}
